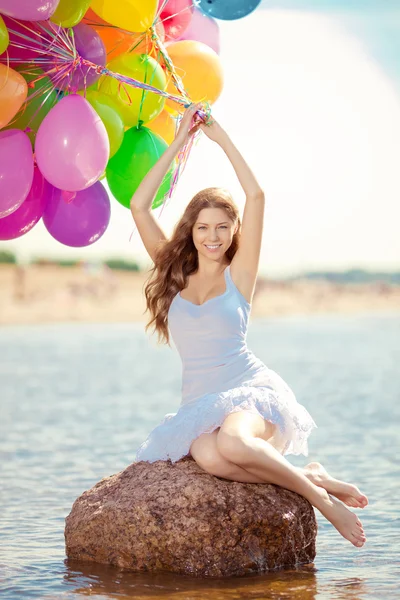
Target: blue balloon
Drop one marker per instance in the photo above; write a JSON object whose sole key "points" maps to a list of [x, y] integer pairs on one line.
{"points": [[227, 10]]}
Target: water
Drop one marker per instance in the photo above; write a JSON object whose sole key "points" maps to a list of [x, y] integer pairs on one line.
{"points": [[77, 400]]}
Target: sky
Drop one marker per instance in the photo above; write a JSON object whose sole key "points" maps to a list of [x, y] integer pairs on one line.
{"points": [[312, 100]]}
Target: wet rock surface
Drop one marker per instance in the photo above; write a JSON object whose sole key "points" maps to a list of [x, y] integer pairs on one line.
{"points": [[175, 517]]}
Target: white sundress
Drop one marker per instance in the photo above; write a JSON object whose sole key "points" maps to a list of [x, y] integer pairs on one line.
{"points": [[220, 376]]}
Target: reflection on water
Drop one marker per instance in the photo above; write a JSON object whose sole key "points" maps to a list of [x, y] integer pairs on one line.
{"points": [[77, 400], [114, 583]]}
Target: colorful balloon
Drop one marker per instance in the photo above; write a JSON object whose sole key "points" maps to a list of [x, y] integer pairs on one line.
{"points": [[28, 10], [176, 16], [70, 12], [131, 15], [13, 93], [228, 10], [78, 220], [72, 147], [200, 69], [164, 125], [203, 29], [42, 96], [118, 41], [4, 37], [133, 103], [138, 153], [31, 210], [108, 112], [16, 170]]}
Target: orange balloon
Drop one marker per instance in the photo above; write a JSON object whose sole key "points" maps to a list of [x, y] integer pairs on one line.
{"points": [[13, 93], [200, 69], [117, 41], [164, 125]]}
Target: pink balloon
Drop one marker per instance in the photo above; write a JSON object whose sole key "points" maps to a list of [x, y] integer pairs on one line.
{"points": [[72, 146], [175, 16], [16, 170], [203, 29], [31, 210], [78, 220], [28, 10]]}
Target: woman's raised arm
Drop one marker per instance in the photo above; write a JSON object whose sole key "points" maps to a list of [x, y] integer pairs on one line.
{"points": [[244, 264], [147, 225]]}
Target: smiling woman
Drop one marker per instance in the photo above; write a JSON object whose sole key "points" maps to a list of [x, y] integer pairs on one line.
{"points": [[237, 417]]}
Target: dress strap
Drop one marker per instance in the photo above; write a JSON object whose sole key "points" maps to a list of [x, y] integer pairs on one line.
{"points": [[230, 284]]}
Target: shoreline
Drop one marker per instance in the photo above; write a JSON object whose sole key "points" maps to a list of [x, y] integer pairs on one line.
{"points": [[38, 294]]}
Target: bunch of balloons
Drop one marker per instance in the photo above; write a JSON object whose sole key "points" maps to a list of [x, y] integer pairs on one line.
{"points": [[92, 89]]}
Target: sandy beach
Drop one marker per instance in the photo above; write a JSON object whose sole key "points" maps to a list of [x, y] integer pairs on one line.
{"points": [[49, 293]]}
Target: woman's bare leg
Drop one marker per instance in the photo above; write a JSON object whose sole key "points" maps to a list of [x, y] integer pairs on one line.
{"points": [[238, 443]]}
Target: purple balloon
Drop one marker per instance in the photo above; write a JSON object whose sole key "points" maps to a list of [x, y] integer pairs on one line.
{"points": [[16, 170], [31, 210], [89, 46], [203, 29], [29, 10], [80, 220], [72, 146]]}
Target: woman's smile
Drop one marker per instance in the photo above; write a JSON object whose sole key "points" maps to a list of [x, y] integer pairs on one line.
{"points": [[213, 247]]}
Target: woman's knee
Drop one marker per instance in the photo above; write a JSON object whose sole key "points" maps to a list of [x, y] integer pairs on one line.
{"points": [[205, 452]]}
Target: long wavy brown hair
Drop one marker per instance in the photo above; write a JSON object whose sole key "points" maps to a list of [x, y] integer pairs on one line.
{"points": [[177, 258]]}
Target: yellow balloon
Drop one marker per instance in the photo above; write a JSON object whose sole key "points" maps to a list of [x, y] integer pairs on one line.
{"points": [[200, 69], [3, 36], [135, 104], [164, 125], [131, 15], [70, 12]]}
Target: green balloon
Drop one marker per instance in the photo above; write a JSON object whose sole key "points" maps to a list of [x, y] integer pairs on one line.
{"points": [[138, 153], [4, 39], [108, 112], [70, 12], [35, 108]]}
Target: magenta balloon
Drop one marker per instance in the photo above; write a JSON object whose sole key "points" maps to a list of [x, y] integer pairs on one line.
{"points": [[31, 210], [72, 146], [175, 16], [89, 46], [16, 170], [24, 34], [28, 10], [79, 221], [203, 29]]}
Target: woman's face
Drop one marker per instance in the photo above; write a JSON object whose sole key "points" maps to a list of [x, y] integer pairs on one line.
{"points": [[213, 232]]}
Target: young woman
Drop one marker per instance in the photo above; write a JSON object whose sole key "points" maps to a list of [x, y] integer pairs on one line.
{"points": [[237, 417]]}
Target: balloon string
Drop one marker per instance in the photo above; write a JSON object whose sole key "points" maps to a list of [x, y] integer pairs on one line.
{"points": [[170, 66]]}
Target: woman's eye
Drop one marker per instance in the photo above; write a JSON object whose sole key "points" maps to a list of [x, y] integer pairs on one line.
{"points": [[201, 227], [223, 227]]}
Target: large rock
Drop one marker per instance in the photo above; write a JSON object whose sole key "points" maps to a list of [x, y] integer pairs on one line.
{"points": [[176, 517]]}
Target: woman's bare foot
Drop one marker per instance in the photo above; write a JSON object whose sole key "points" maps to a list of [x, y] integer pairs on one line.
{"points": [[346, 522], [346, 492]]}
